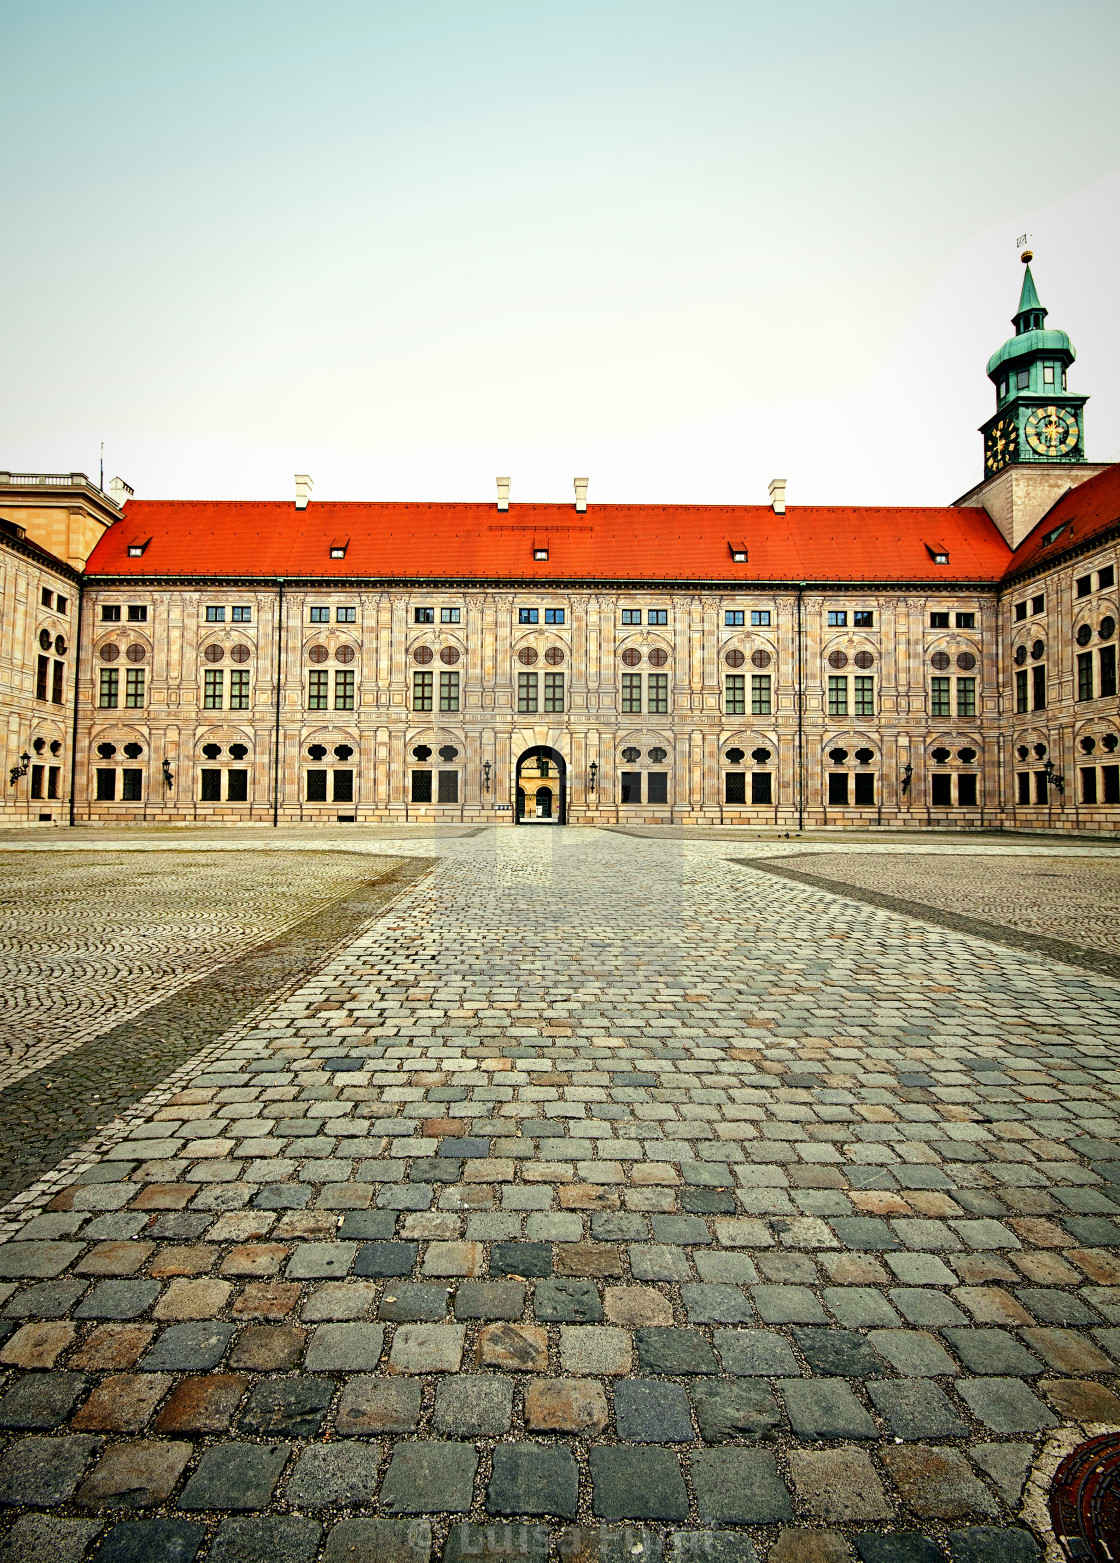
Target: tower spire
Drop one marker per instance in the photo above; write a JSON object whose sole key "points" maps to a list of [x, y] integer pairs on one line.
{"points": [[1030, 315]]}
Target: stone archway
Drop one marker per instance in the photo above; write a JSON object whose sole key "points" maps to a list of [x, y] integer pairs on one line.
{"points": [[541, 787]]}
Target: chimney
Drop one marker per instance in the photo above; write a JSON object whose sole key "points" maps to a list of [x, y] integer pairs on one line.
{"points": [[778, 496], [580, 486], [304, 485], [119, 491], [503, 493]]}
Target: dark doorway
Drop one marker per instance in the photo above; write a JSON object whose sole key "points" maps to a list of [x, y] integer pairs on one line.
{"points": [[541, 787]]}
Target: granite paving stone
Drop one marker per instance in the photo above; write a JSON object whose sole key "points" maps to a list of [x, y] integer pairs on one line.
{"points": [[739, 1486], [839, 1485], [235, 1476], [915, 1408], [44, 1471], [152, 1541], [473, 1405], [531, 1478], [637, 1484], [744, 1409], [824, 1408], [368, 1540], [430, 1478], [342, 1474], [266, 1538], [1005, 1405]]}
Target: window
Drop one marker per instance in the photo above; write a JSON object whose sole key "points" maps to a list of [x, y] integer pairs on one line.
{"points": [[941, 790], [1020, 612], [838, 787], [1023, 780], [1110, 776], [1084, 585], [838, 698], [939, 621], [317, 691], [137, 613], [1038, 681], [1105, 578], [422, 684], [939, 697], [421, 786], [1088, 784], [449, 615], [134, 688], [631, 615], [57, 680], [215, 615], [63, 602], [449, 786], [865, 696], [735, 787], [346, 615], [110, 613], [554, 615], [838, 617], [760, 616], [631, 692], [658, 694], [338, 551], [760, 694], [657, 787], [136, 550], [54, 772], [106, 786], [320, 615], [966, 621], [760, 787], [631, 786], [966, 697], [1041, 791], [423, 616], [738, 556], [110, 682], [242, 615], [344, 689], [342, 786], [863, 619], [1085, 676], [316, 786], [237, 786], [527, 691], [211, 786], [131, 785], [966, 790], [734, 617], [37, 770], [540, 553], [865, 788], [212, 689], [658, 616], [1021, 690], [47, 599], [734, 703], [449, 691], [42, 678], [239, 689], [527, 616], [1023, 379], [1048, 374], [1108, 670], [1038, 604], [554, 691]]}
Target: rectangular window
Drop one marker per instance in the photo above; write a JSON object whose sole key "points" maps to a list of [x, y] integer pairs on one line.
{"points": [[1085, 675], [865, 695], [1037, 604], [631, 786], [342, 786], [733, 617], [422, 686], [449, 691], [54, 772], [1088, 784], [735, 787], [43, 677], [1108, 670], [137, 613], [317, 691], [554, 615], [449, 615], [243, 615], [631, 615], [760, 617], [658, 694], [215, 615], [837, 694], [1048, 374], [838, 617], [61, 605], [37, 772], [760, 787], [863, 619], [346, 615], [966, 621], [1105, 578], [966, 790], [134, 688], [554, 691], [939, 621], [212, 689], [1110, 776], [1038, 690], [657, 787], [47, 599], [237, 786], [58, 675], [320, 615], [1023, 379], [939, 697], [423, 616], [449, 786], [865, 787], [1084, 585], [657, 616], [110, 613], [211, 786], [1041, 791], [421, 786], [110, 681], [631, 693], [966, 697], [106, 786], [316, 786], [1021, 690], [132, 782], [527, 616], [760, 694], [1023, 778], [239, 689], [1020, 611], [838, 787], [735, 694], [526, 691], [941, 790], [344, 689]]}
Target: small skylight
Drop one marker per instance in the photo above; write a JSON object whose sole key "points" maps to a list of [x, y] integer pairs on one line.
{"points": [[938, 555], [540, 553], [136, 550], [1052, 537], [738, 553], [338, 550]]}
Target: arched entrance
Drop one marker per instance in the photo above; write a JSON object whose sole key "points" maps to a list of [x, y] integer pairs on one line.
{"points": [[541, 787]]}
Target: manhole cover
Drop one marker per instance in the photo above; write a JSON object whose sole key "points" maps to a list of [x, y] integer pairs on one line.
{"points": [[1085, 1499]]}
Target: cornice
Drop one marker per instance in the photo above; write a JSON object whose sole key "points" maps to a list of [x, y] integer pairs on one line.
{"points": [[41, 557], [528, 584]]}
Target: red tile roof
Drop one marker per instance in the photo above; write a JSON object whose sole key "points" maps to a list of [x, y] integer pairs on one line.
{"points": [[465, 542], [1078, 517]]}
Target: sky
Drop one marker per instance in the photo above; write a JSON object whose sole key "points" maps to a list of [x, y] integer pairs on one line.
{"points": [[678, 246]]}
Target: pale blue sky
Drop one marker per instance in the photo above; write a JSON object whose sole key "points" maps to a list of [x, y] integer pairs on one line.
{"points": [[682, 247]]}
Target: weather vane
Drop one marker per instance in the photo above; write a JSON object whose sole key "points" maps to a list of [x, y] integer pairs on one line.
{"points": [[1027, 255]]}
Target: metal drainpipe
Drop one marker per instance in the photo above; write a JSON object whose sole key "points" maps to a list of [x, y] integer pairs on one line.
{"points": [[800, 719], [77, 667], [279, 686]]}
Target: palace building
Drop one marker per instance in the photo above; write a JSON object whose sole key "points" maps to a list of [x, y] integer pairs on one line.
{"points": [[182, 662]]}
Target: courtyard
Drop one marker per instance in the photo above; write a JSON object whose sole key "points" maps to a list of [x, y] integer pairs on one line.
{"points": [[538, 1194]]}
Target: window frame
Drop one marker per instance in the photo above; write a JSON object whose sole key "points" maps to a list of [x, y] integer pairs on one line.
{"points": [[838, 694], [528, 694], [423, 615], [345, 686], [242, 613], [836, 618], [554, 692], [631, 615], [966, 696], [346, 615], [215, 613], [318, 689], [657, 616], [110, 613], [734, 618], [137, 613], [735, 694], [528, 616], [317, 614], [657, 694], [108, 689], [450, 615], [423, 690], [940, 697], [134, 691], [761, 694], [863, 694], [213, 689], [448, 690], [239, 689], [555, 615]]}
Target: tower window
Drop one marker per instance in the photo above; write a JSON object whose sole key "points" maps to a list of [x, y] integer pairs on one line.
{"points": [[1002, 389], [1048, 374], [1023, 379]]}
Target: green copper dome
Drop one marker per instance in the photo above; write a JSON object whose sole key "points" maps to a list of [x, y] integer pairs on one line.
{"points": [[1031, 336]]}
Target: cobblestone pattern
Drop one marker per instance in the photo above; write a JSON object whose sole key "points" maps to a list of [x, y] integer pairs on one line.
{"points": [[608, 1205]]}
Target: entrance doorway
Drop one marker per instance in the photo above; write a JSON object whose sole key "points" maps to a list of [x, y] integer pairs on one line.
{"points": [[542, 789]]}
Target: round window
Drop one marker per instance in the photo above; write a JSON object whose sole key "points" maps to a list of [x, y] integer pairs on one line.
{"points": [[317, 752], [527, 656], [554, 656], [966, 755], [317, 654], [45, 639], [343, 751], [1107, 629], [760, 756], [1084, 635], [631, 656], [838, 659], [658, 658], [449, 655], [110, 653], [238, 751], [1022, 751], [106, 751], [136, 653], [240, 654], [1088, 745], [1038, 649], [939, 756], [1020, 655], [659, 756], [423, 655], [212, 653], [344, 654], [864, 756], [631, 755], [734, 658], [1040, 751], [760, 659], [1109, 742], [134, 751], [940, 660], [966, 661], [864, 659], [59, 646]]}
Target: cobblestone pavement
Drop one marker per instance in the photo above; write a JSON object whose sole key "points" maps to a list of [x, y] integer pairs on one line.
{"points": [[602, 1202]]}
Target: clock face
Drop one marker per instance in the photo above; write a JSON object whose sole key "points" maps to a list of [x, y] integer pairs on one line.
{"points": [[1002, 444], [1052, 431]]}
